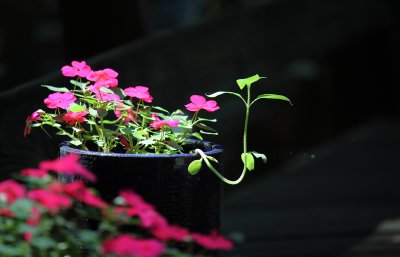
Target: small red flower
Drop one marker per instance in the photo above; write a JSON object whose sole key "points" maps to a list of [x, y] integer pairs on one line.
{"points": [[139, 92], [50, 200], [212, 241], [198, 102], [11, 191], [68, 164], [127, 245], [80, 69], [60, 100], [75, 117]]}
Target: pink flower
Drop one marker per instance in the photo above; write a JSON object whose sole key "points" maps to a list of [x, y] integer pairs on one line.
{"points": [[146, 212], [129, 246], [104, 78], [106, 97], [38, 173], [198, 102], [171, 232], [158, 124], [79, 191], [35, 116], [80, 69], [11, 190], [74, 117], [60, 100], [212, 241], [139, 92], [50, 200], [127, 114], [68, 164]]}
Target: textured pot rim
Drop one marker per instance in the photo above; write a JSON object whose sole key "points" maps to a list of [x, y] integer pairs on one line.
{"points": [[215, 149]]}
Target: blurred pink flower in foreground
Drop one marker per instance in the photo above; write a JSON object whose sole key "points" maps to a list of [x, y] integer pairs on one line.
{"points": [[129, 246], [68, 164]]}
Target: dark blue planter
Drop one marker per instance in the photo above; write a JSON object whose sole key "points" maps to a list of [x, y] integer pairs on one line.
{"points": [[162, 180]]}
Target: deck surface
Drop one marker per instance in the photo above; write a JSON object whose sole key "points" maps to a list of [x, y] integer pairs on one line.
{"points": [[341, 198]]}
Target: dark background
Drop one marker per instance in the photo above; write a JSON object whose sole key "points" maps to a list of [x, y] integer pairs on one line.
{"points": [[338, 61]]}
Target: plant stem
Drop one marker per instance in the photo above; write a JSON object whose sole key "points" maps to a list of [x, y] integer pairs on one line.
{"points": [[209, 165]]}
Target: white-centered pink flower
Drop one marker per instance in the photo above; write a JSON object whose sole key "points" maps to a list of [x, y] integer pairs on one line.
{"points": [[104, 78]]}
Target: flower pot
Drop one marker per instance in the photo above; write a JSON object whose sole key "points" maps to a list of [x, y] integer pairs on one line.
{"points": [[162, 180]]}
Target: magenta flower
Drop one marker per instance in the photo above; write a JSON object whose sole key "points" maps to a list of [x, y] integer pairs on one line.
{"points": [[212, 241], [126, 114], [50, 200], [104, 78], [158, 124], [60, 100], [139, 92], [198, 102], [11, 191], [30, 172], [127, 245], [74, 117], [107, 97], [79, 191], [68, 164], [80, 69], [171, 232]]}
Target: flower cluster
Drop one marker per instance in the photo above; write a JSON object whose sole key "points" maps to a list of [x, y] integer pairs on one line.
{"points": [[98, 115], [39, 216]]}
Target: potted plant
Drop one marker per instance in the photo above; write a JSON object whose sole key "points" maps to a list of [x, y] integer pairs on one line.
{"points": [[41, 217], [127, 141]]}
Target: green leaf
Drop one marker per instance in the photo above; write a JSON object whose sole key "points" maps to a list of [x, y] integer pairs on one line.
{"points": [[79, 84], [248, 81], [204, 126], [102, 112], [194, 167], [225, 92], [259, 155], [272, 96], [6, 250], [160, 109], [22, 208], [77, 108], [56, 89], [93, 112], [75, 142], [43, 242], [106, 90], [248, 160], [197, 135]]}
